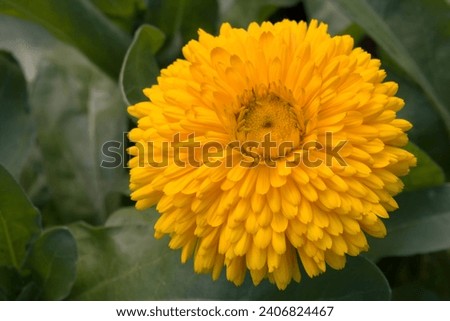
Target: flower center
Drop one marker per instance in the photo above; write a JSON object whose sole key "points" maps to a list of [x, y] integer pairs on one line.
{"points": [[267, 125]]}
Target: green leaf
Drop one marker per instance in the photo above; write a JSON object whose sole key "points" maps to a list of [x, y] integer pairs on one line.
{"points": [[398, 27], [184, 17], [123, 13], [427, 125], [18, 151], [421, 225], [240, 13], [78, 23], [10, 283], [78, 110], [359, 280], [139, 69], [19, 222], [426, 174], [28, 43], [16, 127], [180, 20], [123, 261], [413, 292], [52, 262], [338, 23], [324, 10], [129, 216]]}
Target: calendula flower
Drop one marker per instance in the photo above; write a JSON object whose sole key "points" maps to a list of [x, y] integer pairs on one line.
{"points": [[268, 147]]}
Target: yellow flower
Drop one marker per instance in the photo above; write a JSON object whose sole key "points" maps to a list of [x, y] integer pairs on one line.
{"points": [[267, 147]]}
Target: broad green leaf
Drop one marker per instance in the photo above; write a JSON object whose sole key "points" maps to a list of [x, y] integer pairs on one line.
{"points": [[359, 280], [129, 216], [180, 20], [338, 23], [184, 17], [419, 277], [78, 110], [428, 130], [413, 292], [426, 174], [52, 262], [139, 69], [29, 292], [325, 11], [240, 13], [28, 43], [123, 13], [415, 34], [123, 261], [33, 179], [19, 222], [79, 23], [16, 126], [10, 283], [420, 225]]}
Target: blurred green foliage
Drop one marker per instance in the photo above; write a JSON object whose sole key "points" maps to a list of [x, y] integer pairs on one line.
{"points": [[68, 69]]}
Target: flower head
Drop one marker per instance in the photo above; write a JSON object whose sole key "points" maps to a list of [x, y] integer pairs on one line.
{"points": [[268, 147]]}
